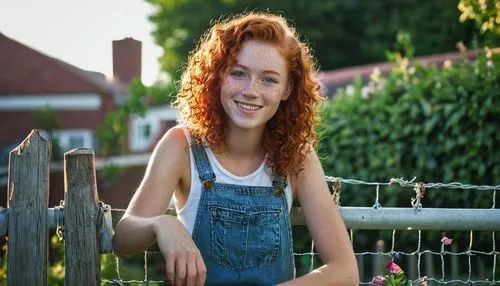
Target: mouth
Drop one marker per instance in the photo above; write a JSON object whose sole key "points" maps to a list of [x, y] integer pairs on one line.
{"points": [[248, 106]]}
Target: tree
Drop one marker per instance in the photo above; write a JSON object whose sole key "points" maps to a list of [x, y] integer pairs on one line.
{"points": [[48, 119], [342, 33], [113, 132]]}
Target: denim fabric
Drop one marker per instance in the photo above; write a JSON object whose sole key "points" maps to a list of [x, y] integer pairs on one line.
{"points": [[243, 232]]}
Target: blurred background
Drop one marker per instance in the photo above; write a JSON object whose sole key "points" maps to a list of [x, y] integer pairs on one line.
{"points": [[413, 89]]}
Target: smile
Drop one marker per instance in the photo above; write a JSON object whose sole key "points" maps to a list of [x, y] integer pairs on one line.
{"points": [[249, 107]]}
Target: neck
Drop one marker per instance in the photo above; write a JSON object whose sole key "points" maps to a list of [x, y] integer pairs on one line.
{"points": [[244, 143]]}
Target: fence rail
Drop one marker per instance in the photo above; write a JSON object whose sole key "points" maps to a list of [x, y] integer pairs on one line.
{"points": [[86, 224]]}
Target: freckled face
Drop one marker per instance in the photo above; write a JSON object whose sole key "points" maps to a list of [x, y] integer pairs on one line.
{"points": [[253, 88]]}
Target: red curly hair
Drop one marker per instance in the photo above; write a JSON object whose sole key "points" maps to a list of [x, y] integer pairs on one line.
{"points": [[289, 134]]}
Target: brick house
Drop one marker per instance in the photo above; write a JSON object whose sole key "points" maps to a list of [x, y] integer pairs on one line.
{"points": [[30, 80], [80, 100]]}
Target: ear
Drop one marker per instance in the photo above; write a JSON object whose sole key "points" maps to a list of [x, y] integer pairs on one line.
{"points": [[288, 91]]}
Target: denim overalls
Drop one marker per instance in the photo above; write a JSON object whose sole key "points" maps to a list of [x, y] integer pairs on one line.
{"points": [[243, 232]]}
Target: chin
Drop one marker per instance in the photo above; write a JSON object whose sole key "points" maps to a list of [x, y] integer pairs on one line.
{"points": [[247, 125]]}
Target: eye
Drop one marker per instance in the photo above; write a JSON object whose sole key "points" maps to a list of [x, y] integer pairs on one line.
{"points": [[269, 80], [237, 74]]}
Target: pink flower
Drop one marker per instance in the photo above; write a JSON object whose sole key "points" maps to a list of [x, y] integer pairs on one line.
{"points": [[424, 281], [378, 281], [393, 267], [446, 241]]}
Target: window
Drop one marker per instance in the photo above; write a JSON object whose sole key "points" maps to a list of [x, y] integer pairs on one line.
{"points": [[145, 130], [73, 138], [75, 141]]}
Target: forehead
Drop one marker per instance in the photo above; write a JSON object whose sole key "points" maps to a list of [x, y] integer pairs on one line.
{"points": [[261, 56]]}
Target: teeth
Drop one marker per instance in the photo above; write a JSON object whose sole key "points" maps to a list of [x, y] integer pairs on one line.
{"points": [[247, 106]]}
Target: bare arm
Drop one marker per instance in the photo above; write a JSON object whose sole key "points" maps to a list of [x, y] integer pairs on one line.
{"points": [[145, 221], [135, 231], [327, 229]]}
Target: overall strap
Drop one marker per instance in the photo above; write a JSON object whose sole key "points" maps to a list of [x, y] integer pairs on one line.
{"points": [[279, 183], [207, 176]]}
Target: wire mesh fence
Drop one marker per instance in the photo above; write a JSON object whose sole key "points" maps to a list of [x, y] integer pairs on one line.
{"points": [[434, 246]]}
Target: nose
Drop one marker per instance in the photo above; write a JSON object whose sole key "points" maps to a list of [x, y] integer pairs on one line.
{"points": [[251, 88]]}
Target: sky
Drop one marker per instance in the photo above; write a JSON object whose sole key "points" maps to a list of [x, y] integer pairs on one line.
{"points": [[80, 32]]}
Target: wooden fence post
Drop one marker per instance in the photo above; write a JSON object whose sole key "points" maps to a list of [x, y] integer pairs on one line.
{"points": [[28, 199], [379, 261], [455, 268], [429, 264], [81, 211], [411, 269]]}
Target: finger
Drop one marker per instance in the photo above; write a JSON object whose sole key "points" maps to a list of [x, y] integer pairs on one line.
{"points": [[201, 269], [170, 268], [180, 271], [191, 272]]}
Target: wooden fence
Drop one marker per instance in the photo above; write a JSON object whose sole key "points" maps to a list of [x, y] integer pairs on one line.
{"points": [[28, 215]]}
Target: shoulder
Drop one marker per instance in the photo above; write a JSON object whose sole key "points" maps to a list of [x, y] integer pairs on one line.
{"points": [[174, 139], [176, 134], [172, 149], [311, 173], [309, 164]]}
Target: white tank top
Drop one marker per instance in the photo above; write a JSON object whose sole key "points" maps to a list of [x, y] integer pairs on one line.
{"points": [[261, 177]]}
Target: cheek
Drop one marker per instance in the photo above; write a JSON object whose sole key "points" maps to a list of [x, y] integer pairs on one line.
{"points": [[224, 89], [276, 94], [228, 87]]}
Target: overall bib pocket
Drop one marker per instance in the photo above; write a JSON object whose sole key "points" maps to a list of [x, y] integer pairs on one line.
{"points": [[243, 238]]}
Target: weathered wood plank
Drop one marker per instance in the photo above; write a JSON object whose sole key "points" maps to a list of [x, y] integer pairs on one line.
{"points": [[81, 210], [28, 199]]}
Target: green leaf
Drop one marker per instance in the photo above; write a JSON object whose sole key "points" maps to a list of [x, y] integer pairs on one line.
{"points": [[400, 275]]}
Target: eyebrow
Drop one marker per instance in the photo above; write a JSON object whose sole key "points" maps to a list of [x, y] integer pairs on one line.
{"points": [[264, 71]]}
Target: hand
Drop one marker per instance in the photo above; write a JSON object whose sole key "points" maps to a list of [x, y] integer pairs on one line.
{"points": [[184, 264]]}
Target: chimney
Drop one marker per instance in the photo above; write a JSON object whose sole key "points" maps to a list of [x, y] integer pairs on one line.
{"points": [[127, 60]]}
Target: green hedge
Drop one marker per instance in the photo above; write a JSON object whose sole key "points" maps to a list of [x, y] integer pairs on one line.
{"points": [[436, 124]]}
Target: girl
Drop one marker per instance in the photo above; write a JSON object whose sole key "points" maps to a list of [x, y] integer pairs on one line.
{"points": [[243, 152]]}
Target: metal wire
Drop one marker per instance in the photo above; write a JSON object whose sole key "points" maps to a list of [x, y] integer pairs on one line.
{"points": [[442, 254]]}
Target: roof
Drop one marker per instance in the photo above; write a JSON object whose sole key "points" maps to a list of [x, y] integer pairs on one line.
{"points": [[32, 72], [334, 79]]}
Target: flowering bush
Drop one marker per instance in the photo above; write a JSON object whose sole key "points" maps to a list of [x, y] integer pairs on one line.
{"points": [[446, 241], [395, 276]]}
